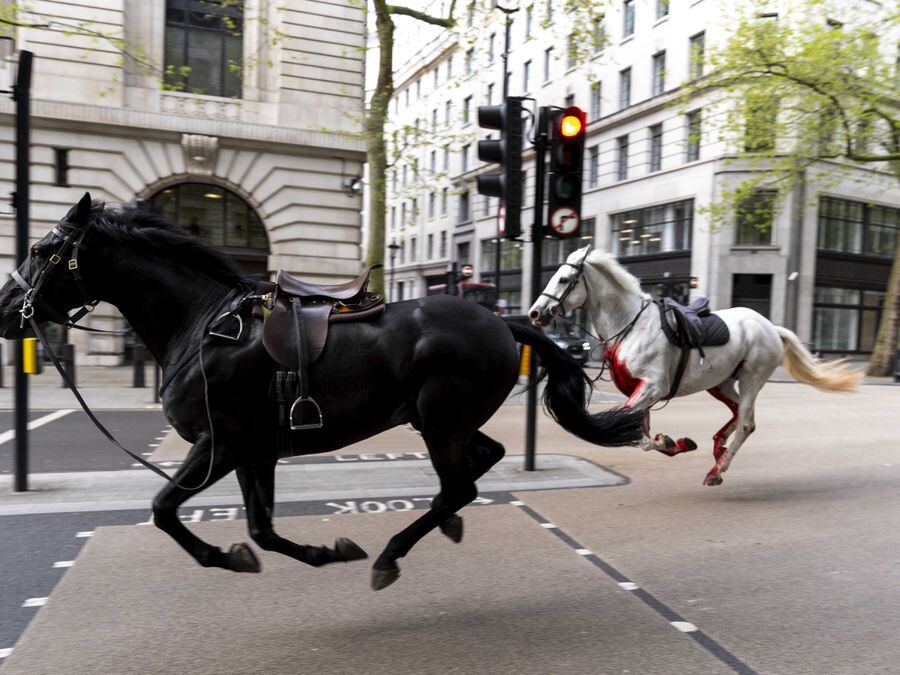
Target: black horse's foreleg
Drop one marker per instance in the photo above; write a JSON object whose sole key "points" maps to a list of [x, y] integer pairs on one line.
{"points": [[258, 486], [165, 510]]}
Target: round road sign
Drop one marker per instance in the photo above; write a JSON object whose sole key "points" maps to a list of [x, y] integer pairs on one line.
{"points": [[564, 220]]}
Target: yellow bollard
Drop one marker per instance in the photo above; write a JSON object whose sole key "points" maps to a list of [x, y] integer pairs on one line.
{"points": [[30, 363], [525, 363]]}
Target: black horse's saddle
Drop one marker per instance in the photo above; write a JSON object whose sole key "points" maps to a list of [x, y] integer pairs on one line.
{"points": [[693, 326], [295, 333]]}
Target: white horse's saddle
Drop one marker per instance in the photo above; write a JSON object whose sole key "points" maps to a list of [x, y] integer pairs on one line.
{"points": [[694, 326]]}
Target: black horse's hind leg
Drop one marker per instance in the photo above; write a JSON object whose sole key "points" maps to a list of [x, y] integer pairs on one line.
{"points": [[483, 452], [165, 510], [258, 486]]}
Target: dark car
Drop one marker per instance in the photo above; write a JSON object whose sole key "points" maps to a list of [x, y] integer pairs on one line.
{"points": [[572, 339]]}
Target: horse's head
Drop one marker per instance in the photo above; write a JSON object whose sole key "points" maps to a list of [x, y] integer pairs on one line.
{"points": [[565, 292], [48, 283]]}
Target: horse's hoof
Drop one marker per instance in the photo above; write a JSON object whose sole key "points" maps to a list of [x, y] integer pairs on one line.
{"points": [[384, 578], [453, 528], [348, 550], [686, 445], [712, 479], [242, 559]]}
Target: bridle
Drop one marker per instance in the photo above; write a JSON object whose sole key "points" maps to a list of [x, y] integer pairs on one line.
{"points": [[573, 282], [73, 241]]}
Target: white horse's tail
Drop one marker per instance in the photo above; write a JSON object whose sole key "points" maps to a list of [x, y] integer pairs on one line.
{"points": [[806, 368]]}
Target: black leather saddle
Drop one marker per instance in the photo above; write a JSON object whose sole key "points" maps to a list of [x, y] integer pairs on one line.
{"points": [[693, 326]]}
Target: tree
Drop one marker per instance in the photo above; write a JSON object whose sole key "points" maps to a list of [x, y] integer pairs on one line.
{"points": [[801, 95]]}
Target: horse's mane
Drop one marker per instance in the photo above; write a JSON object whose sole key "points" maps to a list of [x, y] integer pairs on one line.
{"points": [[151, 234], [606, 263]]}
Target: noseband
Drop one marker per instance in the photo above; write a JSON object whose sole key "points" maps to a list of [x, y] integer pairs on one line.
{"points": [[32, 291]]}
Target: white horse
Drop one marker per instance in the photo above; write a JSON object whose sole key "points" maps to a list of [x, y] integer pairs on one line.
{"points": [[644, 364]]}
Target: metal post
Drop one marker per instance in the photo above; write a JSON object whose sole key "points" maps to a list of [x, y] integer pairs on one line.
{"points": [[69, 362], [508, 13], [452, 276], [2, 364], [537, 240], [22, 201], [137, 354]]}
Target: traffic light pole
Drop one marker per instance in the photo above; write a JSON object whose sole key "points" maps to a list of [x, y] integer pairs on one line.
{"points": [[537, 240], [22, 96]]}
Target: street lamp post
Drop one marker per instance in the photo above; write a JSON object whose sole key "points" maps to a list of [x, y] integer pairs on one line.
{"points": [[508, 10], [393, 246]]}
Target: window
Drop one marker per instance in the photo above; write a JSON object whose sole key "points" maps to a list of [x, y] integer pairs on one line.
{"points": [[433, 162], [463, 253], [449, 68], [413, 250], [549, 11], [510, 254], [760, 113], [490, 94], [61, 166], [414, 213], [436, 78], [599, 34], [204, 47], [571, 51], [432, 202], [693, 136], [659, 74], [548, 56], [406, 97], [656, 135], [418, 89], [444, 202], [470, 14], [662, 8], [755, 216], [491, 47], [434, 120], [753, 291], [464, 157], [627, 18], [593, 166], [443, 248], [854, 227], [430, 247], [470, 59], [529, 17], [846, 319], [698, 54], [464, 215], [655, 229], [622, 158], [467, 110], [219, 218], [596, 91], [446, 158], [569, 100], [624, 88], [448, 112], [526, 76]]}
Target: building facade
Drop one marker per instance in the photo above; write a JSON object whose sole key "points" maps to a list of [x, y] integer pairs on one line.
{"points": [[241, 121], [652, 170]]}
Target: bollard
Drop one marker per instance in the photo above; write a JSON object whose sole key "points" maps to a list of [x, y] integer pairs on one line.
{"points": [[157, 374], [31, 363], [138, 356], [68, 362]]}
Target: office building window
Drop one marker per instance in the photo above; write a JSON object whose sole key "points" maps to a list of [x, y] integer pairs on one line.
{"points": [[693, 135], [429, 247], [548, 57], [854, 227], [436, 78], [656, 144], [464, 215], [624, 88], [593, 166], [627, 18], [655, 229], [446, 158], [526, 76], [467, 110], [204, 47], [760, 115], [464, 157], [61, 166], [491, 47], [463, 253], [393, 220], [448, 112], [413, 250], [449, 68], [698, 54], [755, 219], [658, 85], [662, 8], [432, 202], [490, 94], [444, 202], [596, 92], [599, 34], [846, 319], [622, 158], [549, 11], [443, 249], [470, 60], [432, 162], [529, 18], [569, 100]]}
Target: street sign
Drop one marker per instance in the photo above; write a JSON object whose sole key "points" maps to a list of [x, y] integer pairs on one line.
{"points": [[564, 221], [466, 271]]}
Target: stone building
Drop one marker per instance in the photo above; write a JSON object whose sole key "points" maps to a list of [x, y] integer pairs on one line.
{"points": [[240, 121], [650, 169]]}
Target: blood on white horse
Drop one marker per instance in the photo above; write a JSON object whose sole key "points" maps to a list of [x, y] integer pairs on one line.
{"points": [[643, 363]]}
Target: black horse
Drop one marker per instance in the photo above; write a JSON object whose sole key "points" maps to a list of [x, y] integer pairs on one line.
{"points": [[440, 364]]}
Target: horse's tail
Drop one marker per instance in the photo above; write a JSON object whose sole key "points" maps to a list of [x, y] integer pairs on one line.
{"points": [[565, 394], [806, 368]]}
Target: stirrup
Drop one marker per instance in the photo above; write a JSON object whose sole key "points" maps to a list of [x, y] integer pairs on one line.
{"points": [[219, 333], [308, 402]]}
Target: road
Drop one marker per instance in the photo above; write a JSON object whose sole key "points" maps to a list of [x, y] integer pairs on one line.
{"points": [[790, 566]]}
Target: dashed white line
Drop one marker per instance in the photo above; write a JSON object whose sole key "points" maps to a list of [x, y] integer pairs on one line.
{"points": [[152, 445], [517, 503], [684, 626], [548, 526], [35, 602], [6, 651], [86, 533], [629, 585], [59, 564], [584, 551], [34, 424]]}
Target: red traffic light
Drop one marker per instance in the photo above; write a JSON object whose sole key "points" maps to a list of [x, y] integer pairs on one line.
{"points": [[571, 123]]}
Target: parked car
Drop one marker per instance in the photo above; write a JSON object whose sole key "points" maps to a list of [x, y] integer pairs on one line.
{"points": [[572, 339]]}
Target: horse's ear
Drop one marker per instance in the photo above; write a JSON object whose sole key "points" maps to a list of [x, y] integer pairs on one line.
{"points": [[83, 210]]}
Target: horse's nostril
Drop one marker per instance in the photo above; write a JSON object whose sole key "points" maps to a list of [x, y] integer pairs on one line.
{"points": [[534, 314]]}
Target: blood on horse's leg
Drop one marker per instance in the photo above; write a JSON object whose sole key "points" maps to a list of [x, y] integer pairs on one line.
{"points": [[744, 426], [726, 394]]}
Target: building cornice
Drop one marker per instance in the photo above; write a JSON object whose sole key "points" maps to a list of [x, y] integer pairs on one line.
{"points": [[90, 117]]}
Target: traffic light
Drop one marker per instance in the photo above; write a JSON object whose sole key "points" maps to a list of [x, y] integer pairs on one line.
{"points": [[507, 152], [566, 167]]}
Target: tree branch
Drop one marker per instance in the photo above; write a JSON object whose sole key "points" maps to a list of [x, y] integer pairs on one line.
{"points": [[447, 22]]}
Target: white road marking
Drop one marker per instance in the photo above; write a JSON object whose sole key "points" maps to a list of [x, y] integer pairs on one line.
{"points": [[517, 503], [584, 551], [5, 652], [86, 533], [548, 526], [146, 454], [629, 585], [137, 465], [35, 602], [684, 626], [63, 563], [7, 436], [153, 445]]}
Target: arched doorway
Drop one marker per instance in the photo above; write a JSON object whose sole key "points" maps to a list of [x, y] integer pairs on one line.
{"points": [[220, 218]]}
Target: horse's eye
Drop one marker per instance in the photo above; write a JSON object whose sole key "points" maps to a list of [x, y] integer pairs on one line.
{"points": [[564, 280], [34, 252]]}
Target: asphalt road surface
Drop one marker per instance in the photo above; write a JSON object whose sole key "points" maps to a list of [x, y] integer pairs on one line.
{"points": [[791, 566]]}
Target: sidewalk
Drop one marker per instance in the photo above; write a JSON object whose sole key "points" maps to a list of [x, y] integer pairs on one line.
{"points": [[110, 388]]}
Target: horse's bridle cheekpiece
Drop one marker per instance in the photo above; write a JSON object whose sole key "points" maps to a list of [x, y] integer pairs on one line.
{"points": [[573, 282]]}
